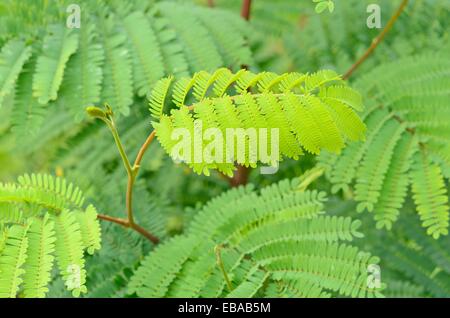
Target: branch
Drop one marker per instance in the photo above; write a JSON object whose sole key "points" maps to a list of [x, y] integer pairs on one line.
{"points": [[129, 199], [132, 171], [377, 40], [145, 233], [240, 177], [309, 177], [217, 251], [132, 176], [245, 9], [127, 224], [123, 155], [143, 149], [108, 218]]}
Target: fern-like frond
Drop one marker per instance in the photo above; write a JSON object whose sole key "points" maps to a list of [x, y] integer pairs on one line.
{"points": [[155, 282], [12, 258], [39, 261], [172, 52], [403, 289], [117, 84], [430, 195], [392, 195], [41, 219], [83, 77], [13, 56], [411, 262], [314, 40], [90, 229], [116, 56], [275, 239], [59, 44], [250, 287], [299, 288], [158, 97], [43, 189], [69, 252], [11, 213], [297, 105], [58, 125], [233, 49], [374, 168], [28, 114], [148, 64], [407, 143], [194, 37]]}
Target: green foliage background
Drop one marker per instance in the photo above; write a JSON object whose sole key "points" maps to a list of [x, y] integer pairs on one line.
{"points": [[124, 47]]}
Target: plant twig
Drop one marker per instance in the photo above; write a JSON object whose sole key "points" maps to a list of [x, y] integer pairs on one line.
{"points": [[132, 171], [132, 176], [123, 155], [143, 149], [211, 3], [108, 218], [129, 199], [217, 251], [145, 233], [127, 224], [130, 184], [245, 9], [240, 177], [377, 40], [309, 177]]}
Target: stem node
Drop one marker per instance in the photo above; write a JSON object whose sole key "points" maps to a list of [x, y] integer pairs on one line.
{"points": [[132, 172]]}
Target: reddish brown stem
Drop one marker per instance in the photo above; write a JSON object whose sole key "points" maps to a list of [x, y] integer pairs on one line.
{"points": [[127, 224], [143, 149], [108, 218], [145, 233], [132, 172], [241, 175], [211, 3], [132, 176], [245, 9], [377, 40], [129, 199]]}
